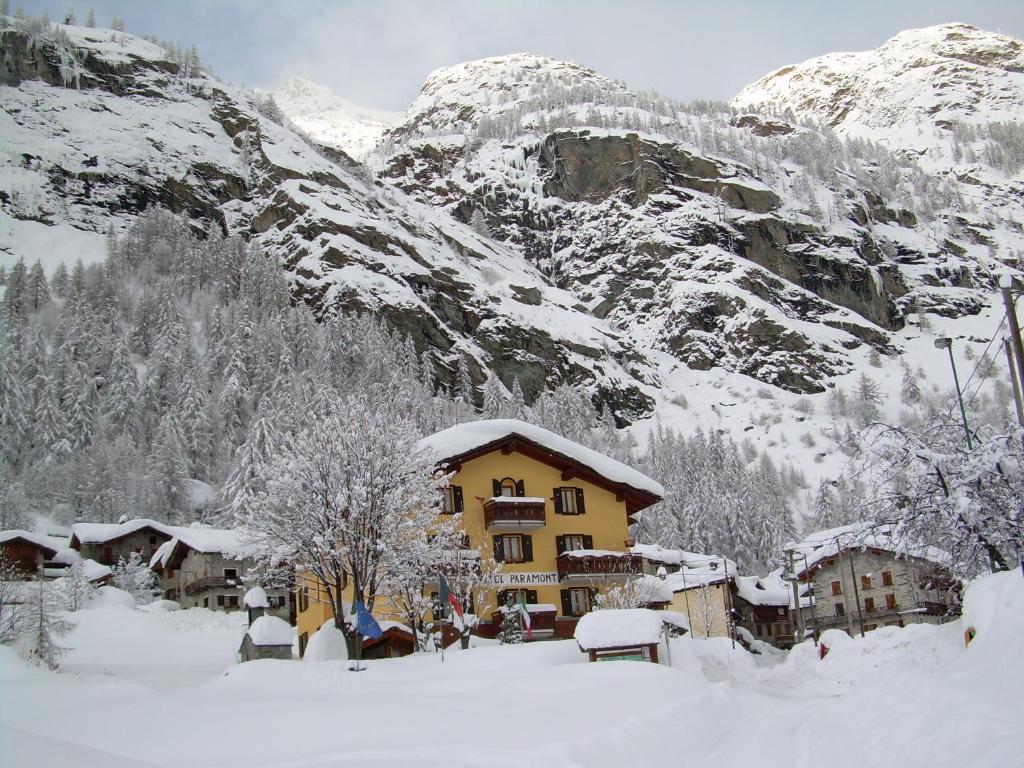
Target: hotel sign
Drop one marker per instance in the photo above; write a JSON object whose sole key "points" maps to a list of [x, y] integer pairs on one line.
{"points": [[529, 578]]}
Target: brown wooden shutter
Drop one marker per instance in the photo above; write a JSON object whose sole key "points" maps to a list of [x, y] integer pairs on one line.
{"points": [[520, 488], [527, 548], [457, 498], [566, 603], [531, 597], [499, 551], [559, 544], [558, 501], [496, 487], [588, 542], [580, 508]]}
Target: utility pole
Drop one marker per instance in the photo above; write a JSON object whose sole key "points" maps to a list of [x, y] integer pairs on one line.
{"points": [[1006, 288], [813, 599], [946, 343], [796, 595], [1014, 381], [856, 592]]}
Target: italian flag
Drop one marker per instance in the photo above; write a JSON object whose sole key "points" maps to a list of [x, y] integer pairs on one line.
{"points": [[526, 616]]}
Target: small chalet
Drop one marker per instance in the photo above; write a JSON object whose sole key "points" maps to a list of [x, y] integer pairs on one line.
{"points": [[39, 555], [702, 589], [629, 634], [107, 543], [762, 607]]}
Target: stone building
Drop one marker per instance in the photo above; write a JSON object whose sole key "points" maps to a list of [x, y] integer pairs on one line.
{"points": [[862, 579], [200, 567], [107, 543]]}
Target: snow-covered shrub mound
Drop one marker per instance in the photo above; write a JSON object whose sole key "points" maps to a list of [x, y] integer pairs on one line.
{"points": [[326, 644], [112, 597]]}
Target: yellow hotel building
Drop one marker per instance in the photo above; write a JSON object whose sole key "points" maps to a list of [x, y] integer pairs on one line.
{"points": [[553, 512]]}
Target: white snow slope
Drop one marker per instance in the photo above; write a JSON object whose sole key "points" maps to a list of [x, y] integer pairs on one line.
{"points": [[899, 697], [332, 120]]}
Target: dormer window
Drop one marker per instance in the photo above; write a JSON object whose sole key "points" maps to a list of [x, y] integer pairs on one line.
{"points": [[509, 487]]}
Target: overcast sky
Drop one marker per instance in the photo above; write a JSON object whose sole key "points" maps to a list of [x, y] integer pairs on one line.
{"points": [[378, 52]]}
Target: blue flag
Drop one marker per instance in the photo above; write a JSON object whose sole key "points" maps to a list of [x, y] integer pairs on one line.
{"points": [[365, 623]]}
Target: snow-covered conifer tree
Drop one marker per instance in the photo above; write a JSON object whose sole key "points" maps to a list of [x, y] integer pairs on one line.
{"points": [[135, 577], [511, 630], [494, 398]]}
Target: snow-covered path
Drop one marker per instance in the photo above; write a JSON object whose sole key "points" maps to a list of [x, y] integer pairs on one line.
{"points": [[897, 698]]}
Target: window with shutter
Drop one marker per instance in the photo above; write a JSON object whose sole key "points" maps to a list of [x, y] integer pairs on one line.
{"points": [[557, 496], [531, 597], [837, 588], [865, 582], [566, 602], [573, 542], [568, 501], [513, 548], [520, 488], [588, 542], [890, 601], [580, 506], [496, 487], [560, 545], [886, 579], [840, 609], [579, 601], [869, 604], [457, 498], [507, 487]]}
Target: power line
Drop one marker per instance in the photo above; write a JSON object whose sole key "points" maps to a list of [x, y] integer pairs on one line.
{"points": [[982, 359]]}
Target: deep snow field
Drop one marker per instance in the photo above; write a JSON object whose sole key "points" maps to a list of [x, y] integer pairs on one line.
{"points": [[155, 688]]}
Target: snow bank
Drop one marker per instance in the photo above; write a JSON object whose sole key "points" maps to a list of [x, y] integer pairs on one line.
{"points": [[617, 628], [463, 438], [270, 630], [111, 597], [994, 609], [326, 644]]}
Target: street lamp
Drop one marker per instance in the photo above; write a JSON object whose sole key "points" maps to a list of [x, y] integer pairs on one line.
{"points": [[946, 343]]}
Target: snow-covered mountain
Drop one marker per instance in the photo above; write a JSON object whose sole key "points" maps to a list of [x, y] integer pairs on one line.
{"points": [[330, 119], [545, 222], [922, 78]]}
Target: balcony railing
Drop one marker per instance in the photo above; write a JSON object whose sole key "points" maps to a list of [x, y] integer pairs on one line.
{"points": [[514, 513], [210, 582], [588, 564]]}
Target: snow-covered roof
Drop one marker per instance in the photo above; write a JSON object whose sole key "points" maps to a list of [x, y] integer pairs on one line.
{"points": [[618, 628], [464, 438], [200, 539], [651, 589], [767, 590], [256, 598], [270, 630], [826, 544], [99, 533], [658, 553], [40, 540]]}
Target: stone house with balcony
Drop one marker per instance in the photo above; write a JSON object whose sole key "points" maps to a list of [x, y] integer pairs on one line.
{"points": [[554, 513], [200, 567], [862, 578], [37, 555]]}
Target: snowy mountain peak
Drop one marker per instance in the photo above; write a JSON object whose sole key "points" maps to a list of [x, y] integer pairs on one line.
{"points": [[936, 76], [330, 119], [453, 100]]}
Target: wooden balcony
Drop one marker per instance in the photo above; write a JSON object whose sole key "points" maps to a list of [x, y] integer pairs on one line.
{"points": [[512, 513], [542, 623], [584, 565], [211, 582]]}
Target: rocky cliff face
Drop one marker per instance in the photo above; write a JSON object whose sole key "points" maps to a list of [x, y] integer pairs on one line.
{"points": [[531, 215]]}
